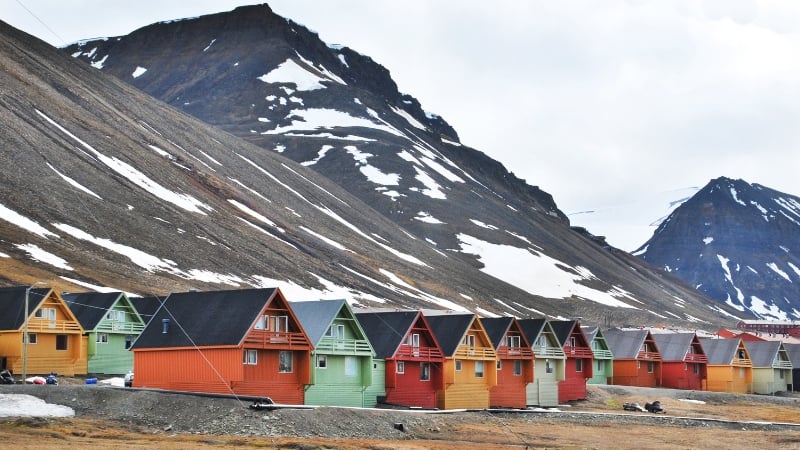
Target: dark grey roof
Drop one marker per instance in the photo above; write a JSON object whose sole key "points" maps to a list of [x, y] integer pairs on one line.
{"points": [[793, 350], [90, 307], [591, 331], [673, 346], [205, 318], [762, 353], [12, 305], [386, 330], [147, 306], [563, 329], [316, 316], [625, 344], [720, 351], [449, 328], [532, 328], [496, 328]]}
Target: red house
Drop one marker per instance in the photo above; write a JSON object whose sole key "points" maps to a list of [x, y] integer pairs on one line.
{"points": [[514, 362], [579, 363], [244, 342], [637, 360], [412, 354], [684, 364]]}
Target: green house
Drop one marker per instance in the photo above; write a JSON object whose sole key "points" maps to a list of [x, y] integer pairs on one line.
{"points": [[111, 324], [344, 369], [603, 358]]}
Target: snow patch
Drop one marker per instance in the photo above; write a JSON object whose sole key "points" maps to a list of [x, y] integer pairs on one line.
{"points": [[423, 216], [138, 72], [291, 72], [38, 254], [17, 219]]}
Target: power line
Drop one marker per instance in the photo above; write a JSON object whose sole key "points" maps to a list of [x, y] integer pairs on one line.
{"points": [[41, 22]]}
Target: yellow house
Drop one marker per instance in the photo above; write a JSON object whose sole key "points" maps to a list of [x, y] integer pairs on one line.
{"points": [[729, 368], [55, 337], [470, 364]]}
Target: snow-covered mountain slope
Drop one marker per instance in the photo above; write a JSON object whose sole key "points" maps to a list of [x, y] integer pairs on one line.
{"points": [[630, 222], [105, 187], [738, 243]]}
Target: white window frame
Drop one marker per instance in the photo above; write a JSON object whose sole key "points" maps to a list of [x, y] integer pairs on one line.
{"points": [[116, 315], [548, 368], [250, 357], [31, 338], [479, 369], [459, 365], [578, 365], [335, 331], [45, 313], [401, 367], [517, 368], [322, 361], [469, 340], [513, 341], [282, 368], [350, 366], [651, 367], [102, 338], [262, 323], [281, 324], [424, 371]]}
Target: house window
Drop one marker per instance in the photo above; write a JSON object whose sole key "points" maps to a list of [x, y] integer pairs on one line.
{"points": [[281, 324], [469, 340], [61, 341], [548, 368], [285, 360], [541, 341], [116, 315], [250, 357], [45, 313], [128, 341], [644, 347], [415, 340], [401, 367], [513, 342], [781, 373], [572, 341], [350, 366], [650, 366], [741, 354], [601, 365], [102, 338], [263, 323], [578, 365], [458, 365], [322, 361], [31, 338], [424, 371], [696, 369], [517, 368], [638, 364], [478, 369], [335, 331], [499, 365]]}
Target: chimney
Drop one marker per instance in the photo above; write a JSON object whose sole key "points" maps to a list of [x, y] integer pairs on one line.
{"points": [[164, 326]]}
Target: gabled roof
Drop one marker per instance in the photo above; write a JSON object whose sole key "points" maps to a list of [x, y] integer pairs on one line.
{"points": [[591, 332], [720, 351], [625, 344], [386, 329], [673, 346], [449, 328], [564, 328], [215, 318], [91, 307], [12, 305], [793, 350], [147, 306], [762, 353], [496, 328], [318, 315], [532, 328]]}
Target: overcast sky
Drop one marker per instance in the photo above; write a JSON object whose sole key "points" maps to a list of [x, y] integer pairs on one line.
{"points": [[599, 103]]}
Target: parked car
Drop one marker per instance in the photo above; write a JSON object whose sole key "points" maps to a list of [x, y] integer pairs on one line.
{"points": [[129, 379]]}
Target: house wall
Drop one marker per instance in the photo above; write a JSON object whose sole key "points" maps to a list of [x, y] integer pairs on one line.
{"points": [[726, 378], [636, 373], [603, 371], [111, 357], [681, 375], [543, 391], [463, 389], [332, 387], [377, 388], [43, 357], [573, 386], [511, 389], [222, 371], [408, 390], [768, 380]]}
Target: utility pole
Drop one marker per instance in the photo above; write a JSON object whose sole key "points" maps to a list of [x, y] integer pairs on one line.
{"points": [[25, 336]]}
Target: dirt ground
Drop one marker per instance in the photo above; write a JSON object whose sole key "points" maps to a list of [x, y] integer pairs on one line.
{"points": [[129, 419]]}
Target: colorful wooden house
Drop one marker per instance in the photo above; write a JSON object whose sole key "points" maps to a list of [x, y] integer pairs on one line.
{"points": [[548, 359], [637, 360], [470, 367], [344, 371], [603, 365], [111, 324], [414, 361], [579, 359], [729, 366], [147, 306], [514, 362], [684, 364], [772, 368], [793, 350], [244, 342], [55, 337]]}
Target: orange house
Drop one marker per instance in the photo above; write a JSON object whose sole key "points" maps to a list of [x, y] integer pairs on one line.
{"points": [[637, 360], [470, 367], [55, 337], [244, 342], [514, 362], [729, 368]]}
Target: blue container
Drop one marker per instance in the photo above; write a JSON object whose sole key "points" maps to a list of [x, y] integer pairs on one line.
{"points": [[91, 381]]}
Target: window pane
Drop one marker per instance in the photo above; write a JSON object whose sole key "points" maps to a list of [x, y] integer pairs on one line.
{"points": [[322, 361], [285, 361], [350, 367], [401, 367], [61, 342], [424, 371], [517, 367], [479, 369]]}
